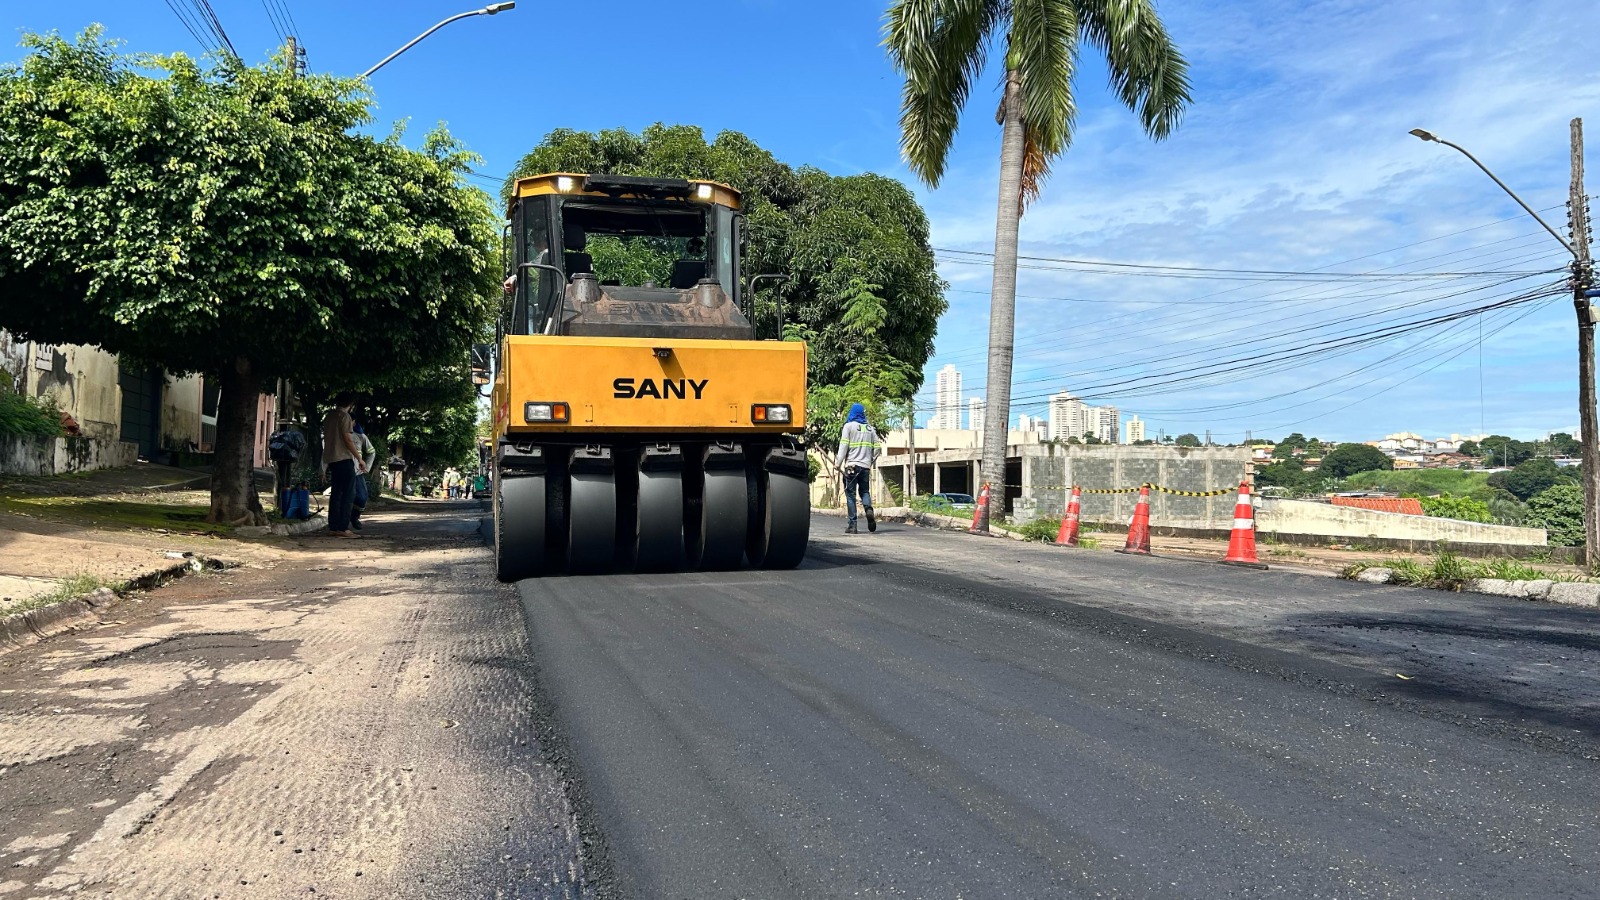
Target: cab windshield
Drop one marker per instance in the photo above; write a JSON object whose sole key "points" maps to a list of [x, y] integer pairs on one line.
{"points": [[642, 244]]}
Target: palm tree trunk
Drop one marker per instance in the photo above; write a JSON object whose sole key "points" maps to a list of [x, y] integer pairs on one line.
{"points": [[1003, 298]]}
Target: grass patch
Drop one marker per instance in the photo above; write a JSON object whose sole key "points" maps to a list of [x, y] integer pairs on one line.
{"points": [[70, 589], [1087, 542], [1451, 572], [1424, 482], [1042, 530], [129, 514]]}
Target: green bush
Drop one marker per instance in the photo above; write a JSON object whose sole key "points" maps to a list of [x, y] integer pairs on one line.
{"points": [[1509, 510], [1043, 529], [20, 415], [1466, 509], [1559, 510]]}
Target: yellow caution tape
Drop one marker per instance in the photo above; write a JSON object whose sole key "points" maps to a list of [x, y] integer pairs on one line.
{"points": [[1219, 492]]}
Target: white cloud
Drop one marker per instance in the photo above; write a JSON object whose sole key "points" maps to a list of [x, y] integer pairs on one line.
{"points": [[1294, 157]]}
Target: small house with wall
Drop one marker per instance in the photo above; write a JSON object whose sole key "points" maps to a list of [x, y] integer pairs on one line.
{"points": [[115, 414]]}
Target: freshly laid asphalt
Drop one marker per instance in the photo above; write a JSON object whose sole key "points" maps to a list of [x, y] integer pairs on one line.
{"points": [[930, 715]]}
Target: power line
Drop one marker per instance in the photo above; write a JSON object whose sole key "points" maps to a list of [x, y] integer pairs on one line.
{"points": [[278, 27], [1158, 271], [283, 6], [1333, 344], [190, 26], [210, 15], [1182, 311], [1167, 322]]}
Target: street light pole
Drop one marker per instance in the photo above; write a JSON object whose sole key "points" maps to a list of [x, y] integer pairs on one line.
{"points": [[489, 10], [1582, 291]]}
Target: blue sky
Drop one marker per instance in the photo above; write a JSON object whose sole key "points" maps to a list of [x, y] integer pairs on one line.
{"points": [[1294, 158]]}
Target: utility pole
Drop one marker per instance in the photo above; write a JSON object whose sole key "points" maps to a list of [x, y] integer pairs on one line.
{"points": [[1582, 279], [297, 57], [911, 449]]}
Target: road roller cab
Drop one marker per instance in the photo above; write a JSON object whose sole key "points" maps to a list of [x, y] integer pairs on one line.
{"points": [[642, 419]]}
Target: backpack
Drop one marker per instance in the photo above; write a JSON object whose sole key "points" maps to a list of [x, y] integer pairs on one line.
{"points": [[286, 445]]}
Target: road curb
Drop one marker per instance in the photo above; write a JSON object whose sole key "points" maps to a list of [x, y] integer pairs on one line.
{"points": [[1566, 593], [35, 625], [283, 529]]}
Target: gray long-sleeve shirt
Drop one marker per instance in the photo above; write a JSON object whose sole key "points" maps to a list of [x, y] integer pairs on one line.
{"points": [[858, 446]]}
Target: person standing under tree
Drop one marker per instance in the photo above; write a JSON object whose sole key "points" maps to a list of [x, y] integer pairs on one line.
{"points": [[365, 459], [858, 452], [341, 456]]}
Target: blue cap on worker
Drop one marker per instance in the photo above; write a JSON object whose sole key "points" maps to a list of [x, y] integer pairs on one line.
{"points": [[858, 413]]}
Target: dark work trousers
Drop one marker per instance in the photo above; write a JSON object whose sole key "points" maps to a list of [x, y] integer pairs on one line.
{"points": [[343, 475], [360, 505], [857, 481]]}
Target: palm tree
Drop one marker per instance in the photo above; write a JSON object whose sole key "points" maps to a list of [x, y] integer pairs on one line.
{"points": [[940, 46]]}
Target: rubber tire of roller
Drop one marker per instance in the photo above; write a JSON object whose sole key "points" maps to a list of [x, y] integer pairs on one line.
{"points": [[518, 526], [724, 517], [786, 526], [592, 522], [659, 542]]}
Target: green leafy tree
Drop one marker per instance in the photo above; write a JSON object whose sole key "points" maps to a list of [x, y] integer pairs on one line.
{"points": [[941, 46], [436, 439], [825, 232], [1288, 475], [1499, 450], [1285, 449], [1348, 459], [1531, 477], [1470, 448], [873, 378], [1559, 510], [1187, 440], [1466, 509], [231, 220], [1565, 444]]}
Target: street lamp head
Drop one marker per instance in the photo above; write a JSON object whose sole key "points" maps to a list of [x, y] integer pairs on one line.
{"points": [[1425, 135], [493, 8]]}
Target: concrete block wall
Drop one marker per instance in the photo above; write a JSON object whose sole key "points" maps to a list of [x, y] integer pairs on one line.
{"points": [[1049, 469], [1302, 517], [61, 455]]}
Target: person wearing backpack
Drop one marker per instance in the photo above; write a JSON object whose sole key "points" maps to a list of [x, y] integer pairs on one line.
{"points": [[858, 452], [369, 455]]}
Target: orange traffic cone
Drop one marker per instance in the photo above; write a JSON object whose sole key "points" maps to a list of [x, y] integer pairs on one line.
{"points": [[980, 513], [1068, 535], [1139, 527], [1242, 543]]}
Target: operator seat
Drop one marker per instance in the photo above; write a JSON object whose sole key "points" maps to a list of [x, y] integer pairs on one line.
{"points": [[686, 273]]}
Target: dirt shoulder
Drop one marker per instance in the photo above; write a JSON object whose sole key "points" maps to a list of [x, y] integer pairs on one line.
{"points": [[352, 718]]}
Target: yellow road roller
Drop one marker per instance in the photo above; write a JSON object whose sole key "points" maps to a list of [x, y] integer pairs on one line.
{"points": [[641, 422]]}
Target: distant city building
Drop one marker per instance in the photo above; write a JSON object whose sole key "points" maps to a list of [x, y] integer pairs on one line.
{"points": [[1107, 422], [947, 393], [1409, 442], [1072, 418], [1135, 429], [975, 413], [1069, 417]]}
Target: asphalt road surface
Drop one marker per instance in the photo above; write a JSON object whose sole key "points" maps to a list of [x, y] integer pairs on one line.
{"points": [[916, 714]]}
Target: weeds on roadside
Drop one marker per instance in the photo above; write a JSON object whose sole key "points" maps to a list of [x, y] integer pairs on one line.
{"points": [[69, 589], [1450, 572], [1043, 530]]}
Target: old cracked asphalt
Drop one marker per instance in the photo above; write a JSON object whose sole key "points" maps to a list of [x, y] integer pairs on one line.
{"points": [[909, 714]]}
